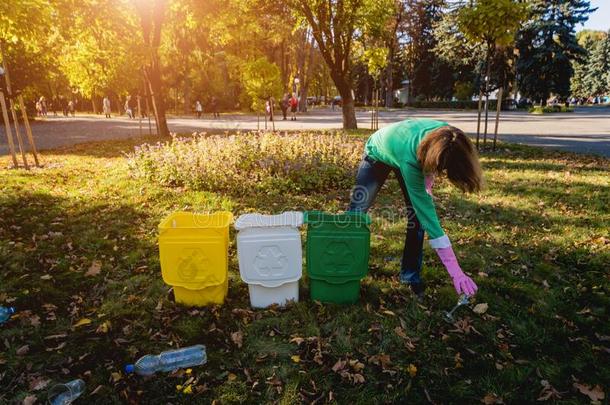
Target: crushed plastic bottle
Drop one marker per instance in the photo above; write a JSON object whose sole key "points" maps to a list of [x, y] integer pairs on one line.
{"points": [[169, 361], [462, 300], [65, 394], [6, 313]]}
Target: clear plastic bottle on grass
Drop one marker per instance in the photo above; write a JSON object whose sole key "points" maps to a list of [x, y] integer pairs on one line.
{"points": [[6, 313], [169, 361], [65, 394]]}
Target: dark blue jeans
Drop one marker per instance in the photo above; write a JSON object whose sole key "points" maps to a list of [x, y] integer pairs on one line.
{"points": [[369, 180]]}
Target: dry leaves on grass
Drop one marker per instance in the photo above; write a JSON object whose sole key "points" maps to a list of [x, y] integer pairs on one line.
{"points": [[595, 393], [350, 370], [491, 399], [94, 269], [29, 400], [238, 338], [480, 308]]}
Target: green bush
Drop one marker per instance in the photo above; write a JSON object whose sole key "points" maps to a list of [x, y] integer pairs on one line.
{"points": [[550, 109], [247, 162]]}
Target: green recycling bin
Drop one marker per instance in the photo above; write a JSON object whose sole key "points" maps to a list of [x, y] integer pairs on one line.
{"points": [[338, 248]]}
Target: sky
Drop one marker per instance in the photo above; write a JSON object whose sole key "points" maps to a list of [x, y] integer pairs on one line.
{"points": [[600, 19]]}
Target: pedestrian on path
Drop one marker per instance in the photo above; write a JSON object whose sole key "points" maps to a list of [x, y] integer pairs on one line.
{"points": [[417, 151], [106, 106], [214, 107], [198, 109], [127, 107], [284, 104], [294, 104]]}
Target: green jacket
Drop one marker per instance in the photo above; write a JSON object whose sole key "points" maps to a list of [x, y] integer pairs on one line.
{"points": [[396, 145]]}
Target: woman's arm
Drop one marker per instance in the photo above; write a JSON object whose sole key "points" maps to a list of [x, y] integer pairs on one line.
{"points": [[424, 207]]}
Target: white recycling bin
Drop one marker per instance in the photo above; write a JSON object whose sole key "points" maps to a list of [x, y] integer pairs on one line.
{"points": [[270, 256]]}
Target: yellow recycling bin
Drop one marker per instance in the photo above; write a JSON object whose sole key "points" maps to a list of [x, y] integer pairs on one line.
{"points": [[194, 251]]}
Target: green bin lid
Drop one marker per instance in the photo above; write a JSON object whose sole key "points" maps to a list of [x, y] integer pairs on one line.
{"points": [[347, 217]]}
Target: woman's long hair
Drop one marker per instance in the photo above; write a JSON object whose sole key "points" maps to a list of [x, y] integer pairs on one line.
{"points": [[447, 150]]}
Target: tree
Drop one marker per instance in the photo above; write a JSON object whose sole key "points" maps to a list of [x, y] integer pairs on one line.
{"points": [[581, 85], [334, 24], [99, 54], [261, 80], [597, 78], [494, 24], [548, 48], [152, 17]]}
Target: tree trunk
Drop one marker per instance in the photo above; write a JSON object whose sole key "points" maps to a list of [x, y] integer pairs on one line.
{"points": [[153, 75], [347, 102], [187, 94], [93, 105], [389, 83]]}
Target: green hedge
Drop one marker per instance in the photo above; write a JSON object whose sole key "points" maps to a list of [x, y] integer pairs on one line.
{"points": [[453, 105], [550, 109]]}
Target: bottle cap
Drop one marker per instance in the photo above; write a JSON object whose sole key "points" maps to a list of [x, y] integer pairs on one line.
{"points": [[130, 368]]}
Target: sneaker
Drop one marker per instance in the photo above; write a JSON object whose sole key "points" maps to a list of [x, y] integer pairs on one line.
{"points": [[418, 289]]}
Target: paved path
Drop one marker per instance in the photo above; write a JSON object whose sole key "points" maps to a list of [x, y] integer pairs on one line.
{"points": [[587, 130]]}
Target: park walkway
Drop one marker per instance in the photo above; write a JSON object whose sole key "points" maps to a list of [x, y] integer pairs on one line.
{"points": [[587, 130]]}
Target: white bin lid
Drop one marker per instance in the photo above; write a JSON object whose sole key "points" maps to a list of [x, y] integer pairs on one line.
{"points": [[288, 218]]}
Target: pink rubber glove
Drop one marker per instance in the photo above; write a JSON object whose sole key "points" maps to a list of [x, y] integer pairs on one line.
{"points": [[429, 182], [462, 283]]}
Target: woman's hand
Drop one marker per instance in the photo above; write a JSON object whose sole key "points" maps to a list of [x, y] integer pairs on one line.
{"points": [[462, 283]]}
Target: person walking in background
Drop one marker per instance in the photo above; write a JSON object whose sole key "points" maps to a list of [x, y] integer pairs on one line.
{"points": [[64, 105], [38, 108], [127, 107], [106, 106], [284, 104], [43, 106], [198, 109], [214, 107], [71, 108], [294, 104]]}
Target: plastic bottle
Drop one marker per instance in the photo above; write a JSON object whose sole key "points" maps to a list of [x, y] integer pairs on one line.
{"points": [[169, 361], [65, 394], [5, 313]]}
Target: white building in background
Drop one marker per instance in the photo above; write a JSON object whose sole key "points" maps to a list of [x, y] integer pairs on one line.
{"points": [[403, 93]]}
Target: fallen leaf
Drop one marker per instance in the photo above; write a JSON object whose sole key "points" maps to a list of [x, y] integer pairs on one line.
{"points": [[231, 377], [339, 365], [491, 399], [237, 338], [103, 328], [23, 350], [46, 277], [480, 308], [82, 322], [94, 269], [296, 358], [34, 320], [358, 379], [595, 394], [116, 376], [39, 383], [29, 400], [412, 370]]}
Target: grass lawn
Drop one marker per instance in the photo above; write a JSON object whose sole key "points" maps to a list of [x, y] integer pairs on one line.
{"points": [[79, 261]]}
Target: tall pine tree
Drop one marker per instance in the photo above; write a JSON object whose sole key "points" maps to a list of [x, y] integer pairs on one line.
{"points": [[597, 77], [547, 48]]}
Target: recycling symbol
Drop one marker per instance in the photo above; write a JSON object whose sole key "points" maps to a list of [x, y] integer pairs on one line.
{"points": [[270, 261], [338, 256], [192, 264]]}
